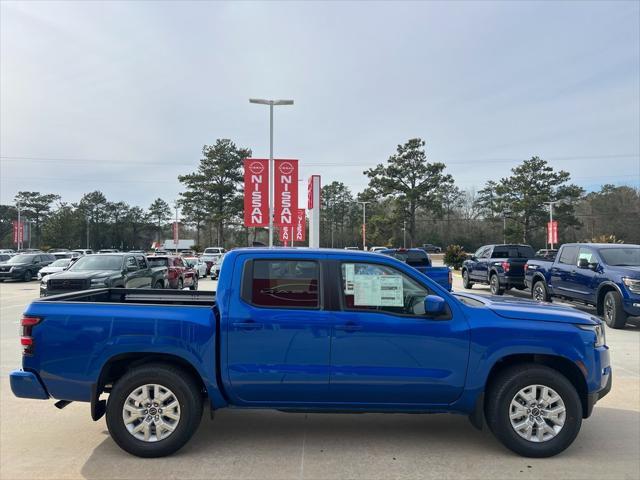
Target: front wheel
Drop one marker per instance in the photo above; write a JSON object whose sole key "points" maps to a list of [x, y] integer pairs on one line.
{"points": [[466, 282], [494, 285], [534, 410], [180, 284], [194, 285], [614, 314], [153, 410], [27, 276], [158, 285]]}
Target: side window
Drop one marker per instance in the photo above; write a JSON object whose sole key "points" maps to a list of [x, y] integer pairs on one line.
{"points": [[586, 253], [179, 262], [480, 252], [131, 262], [374, 287], [142, 263], [568, 255], [285, 284]]}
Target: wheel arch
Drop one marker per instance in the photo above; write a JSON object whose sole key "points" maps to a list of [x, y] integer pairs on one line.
{"points": [[571, 370], [116, 366], [603, 289]]}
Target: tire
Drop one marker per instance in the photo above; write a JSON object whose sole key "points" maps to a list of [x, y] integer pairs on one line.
{"points": [[502, 394], [180, 284], [466, 283], [183, 389], [158, 285], [27, 276], [612, 310], [194, 285], [539, 292], [494, 285]]}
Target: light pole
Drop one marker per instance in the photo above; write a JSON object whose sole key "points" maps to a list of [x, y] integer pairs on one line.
{"points": [[364, 224], [176, 238], [551, 204], [271, 103], [505, 213], [19, 228], [404, 233]]}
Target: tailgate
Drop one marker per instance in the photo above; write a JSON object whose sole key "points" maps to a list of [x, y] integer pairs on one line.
{"points": [[516, 266], [440, 275]]}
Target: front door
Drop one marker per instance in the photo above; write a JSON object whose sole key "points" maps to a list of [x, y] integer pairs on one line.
{"points": [[385, 350], [278, 337]]}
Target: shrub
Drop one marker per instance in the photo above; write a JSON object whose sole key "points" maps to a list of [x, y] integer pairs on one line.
{"points": [[454, 256]]}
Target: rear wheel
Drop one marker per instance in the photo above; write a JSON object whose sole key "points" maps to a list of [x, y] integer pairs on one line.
{"points": [[466, 282], [534, 410], [539, 292], [614, 314], [153, 410], [158, 285], [194, 285], [494, 285], [180, 284]]}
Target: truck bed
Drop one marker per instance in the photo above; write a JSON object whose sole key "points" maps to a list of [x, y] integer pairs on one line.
{"points": [[137, 296]]}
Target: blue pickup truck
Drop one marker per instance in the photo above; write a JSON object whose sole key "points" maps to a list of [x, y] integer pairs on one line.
{"points": [[419, 259], [604, 275], [499, 266], [306, 330]]}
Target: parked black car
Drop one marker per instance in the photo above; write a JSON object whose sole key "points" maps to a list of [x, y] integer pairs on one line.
{"points": [[106, 270], [24, 266], [431, 248], [499, 266]]}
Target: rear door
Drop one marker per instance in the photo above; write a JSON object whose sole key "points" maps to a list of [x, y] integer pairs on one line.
{"points": [[563, 271], [279, 333]]}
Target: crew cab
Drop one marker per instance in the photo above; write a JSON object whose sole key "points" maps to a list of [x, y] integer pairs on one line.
{"points": [[179, 274], [604, 275], [419, 259], [313, 330], [114, 270], [499, 266]]}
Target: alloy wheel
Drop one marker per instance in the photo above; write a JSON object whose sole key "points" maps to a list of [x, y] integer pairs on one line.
{"points": [[151, 412], [537, 413]]}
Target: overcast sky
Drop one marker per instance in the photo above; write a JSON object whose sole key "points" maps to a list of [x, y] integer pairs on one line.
{"points": [[121, 96]]}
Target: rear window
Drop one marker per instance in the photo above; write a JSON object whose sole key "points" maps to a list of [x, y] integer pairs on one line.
{"points": [[157, 262], [413, 258], [285, 284], [568, 255], [515, 251]]}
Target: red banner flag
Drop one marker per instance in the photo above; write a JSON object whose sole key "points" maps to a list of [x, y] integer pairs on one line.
{"points": [[176, 232], [256, 192], [18, 232], [301, 226], [286, 192], [552, 232]]}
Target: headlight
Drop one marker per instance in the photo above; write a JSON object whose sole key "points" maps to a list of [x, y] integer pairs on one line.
{"points": [[598, 329], [632, 284], [98, 282]]}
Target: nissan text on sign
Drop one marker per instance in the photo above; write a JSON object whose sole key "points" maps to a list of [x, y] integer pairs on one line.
{"points": [[256, 192]]}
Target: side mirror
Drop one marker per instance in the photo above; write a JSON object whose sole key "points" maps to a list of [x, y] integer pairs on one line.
{"points": [[434, 305], [583, 263], [594, 266], [472, 257]]}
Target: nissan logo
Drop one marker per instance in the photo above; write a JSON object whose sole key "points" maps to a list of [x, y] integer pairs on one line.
{"points": [[256, 168], [286, 168]]}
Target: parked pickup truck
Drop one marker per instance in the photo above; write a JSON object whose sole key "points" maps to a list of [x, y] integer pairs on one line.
{"points": [[499, 266], [605, 275], [419, 259], [312, 330], [115, 270]]}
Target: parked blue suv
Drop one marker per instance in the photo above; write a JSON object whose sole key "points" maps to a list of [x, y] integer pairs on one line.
{"points": [[605, 275]]}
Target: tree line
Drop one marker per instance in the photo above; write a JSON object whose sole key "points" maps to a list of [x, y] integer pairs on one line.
{"points": [[410, 201]]}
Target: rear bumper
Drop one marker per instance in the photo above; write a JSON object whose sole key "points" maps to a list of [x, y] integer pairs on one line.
{"points": [[27, 385], [513, 281]]}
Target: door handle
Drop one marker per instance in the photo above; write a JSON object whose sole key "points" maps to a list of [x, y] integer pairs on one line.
{"points": [[247, 325], [349, 327]]}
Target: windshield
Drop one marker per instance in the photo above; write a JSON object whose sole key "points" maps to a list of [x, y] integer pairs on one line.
{"points": [[621, 257], [157, 262], [412, 258], [211, 251], [63, 262], [21, 259], [103, 262]]}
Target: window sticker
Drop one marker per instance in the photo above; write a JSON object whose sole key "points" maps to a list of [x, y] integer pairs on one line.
{"points": [[349, 272], [378, 291]]}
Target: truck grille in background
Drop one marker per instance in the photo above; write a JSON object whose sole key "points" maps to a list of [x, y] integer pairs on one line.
{"points": [[69, 284]]}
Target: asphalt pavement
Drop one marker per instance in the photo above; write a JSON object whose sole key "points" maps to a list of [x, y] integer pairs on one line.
{"points": [[39, 441]]}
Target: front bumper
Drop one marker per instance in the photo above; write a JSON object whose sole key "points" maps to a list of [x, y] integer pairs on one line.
{"points": [[15, 275], [27, 385], [632, 306], [593, 398]]}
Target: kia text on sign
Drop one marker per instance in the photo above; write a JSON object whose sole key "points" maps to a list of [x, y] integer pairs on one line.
{"points": [[256, 192], [286, 192]]}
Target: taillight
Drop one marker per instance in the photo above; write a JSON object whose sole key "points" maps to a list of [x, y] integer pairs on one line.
{"points": [[526, 267], [450, 277], [505, 266], [26, 340]]}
